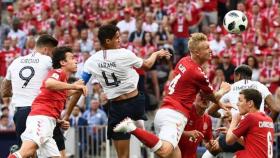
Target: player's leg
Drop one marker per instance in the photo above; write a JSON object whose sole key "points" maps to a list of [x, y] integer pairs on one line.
{"points": [[119, 110], [59, 139], [122, 148], [28, 149], [168, 123], [20, 117]]}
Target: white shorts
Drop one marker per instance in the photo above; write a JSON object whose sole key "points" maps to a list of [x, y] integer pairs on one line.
{"points": [[169, 125], [39, 129]]}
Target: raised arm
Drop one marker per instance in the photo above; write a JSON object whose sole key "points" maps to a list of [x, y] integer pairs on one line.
{"points": [[148, 63]]}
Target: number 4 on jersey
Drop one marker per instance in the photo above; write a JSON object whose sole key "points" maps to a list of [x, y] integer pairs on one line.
{"points": [[115, 83], [173, 83]]}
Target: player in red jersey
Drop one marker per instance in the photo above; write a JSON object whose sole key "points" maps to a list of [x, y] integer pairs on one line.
{"points": [[171, 118], [255, 127], [198, 128], [47, 106]]}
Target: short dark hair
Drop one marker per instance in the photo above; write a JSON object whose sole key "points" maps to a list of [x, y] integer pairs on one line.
{"points": [[46, 40], [59, 55], [106, 32], [254, 95], [4, 116], [244, 71]]}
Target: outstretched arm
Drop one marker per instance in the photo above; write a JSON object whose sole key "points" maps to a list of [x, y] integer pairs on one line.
{"points": [[148, 63]]}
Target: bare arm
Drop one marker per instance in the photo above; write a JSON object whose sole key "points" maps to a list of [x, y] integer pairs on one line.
{"points": [[148, 63], [275, 109], [6, 88], [73, 101], [230, 137]]}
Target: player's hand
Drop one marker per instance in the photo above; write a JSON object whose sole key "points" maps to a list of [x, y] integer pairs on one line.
{"points": [[83, 88], [222, 130], [194, 134], [213, 145], [225, 87], [63, 124], [79, 82], [163, 53]]}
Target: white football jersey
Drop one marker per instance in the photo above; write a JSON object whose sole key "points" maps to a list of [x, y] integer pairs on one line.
{"points": [[26, 74], [114, 70], [233, 94]]}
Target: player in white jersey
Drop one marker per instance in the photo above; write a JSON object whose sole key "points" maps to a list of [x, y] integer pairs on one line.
{"points": [[113, 67], [242, 78]]}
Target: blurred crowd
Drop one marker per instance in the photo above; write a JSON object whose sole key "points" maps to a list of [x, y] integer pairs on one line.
{"points": [[145, 26]]}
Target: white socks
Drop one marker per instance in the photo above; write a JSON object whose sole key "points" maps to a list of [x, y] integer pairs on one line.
{"points": [[207, 154]]}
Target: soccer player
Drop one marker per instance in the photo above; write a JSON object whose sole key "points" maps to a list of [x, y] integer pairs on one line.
{"points": [[255, 127], [113, 67], [198, 128], [242, 77], [171, 118], [47, 107], [24, 78]]}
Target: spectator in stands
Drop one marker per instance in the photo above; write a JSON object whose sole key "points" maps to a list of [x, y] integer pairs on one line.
{"points": [[194, 9], [79, 123], [97, 120], [159, 13], [7, 55], [5, 124], [86, 44], [218, 79], [240, 54], [95, 116], [180, 27], [162, 35], [128, 23], [227, 67], [4, 30], [138, 34], [77, 119], [150, 24], [17, 33], [29, 45], [254, 65], [209, 8], [217, 44], [6, 111], [270, 75]]}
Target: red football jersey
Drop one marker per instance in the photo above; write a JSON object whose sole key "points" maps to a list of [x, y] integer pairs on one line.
{"points": [[49, 102], [203, 124], [188, 81], [258, 132]]}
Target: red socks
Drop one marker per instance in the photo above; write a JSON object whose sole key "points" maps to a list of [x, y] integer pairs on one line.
{"points": [[147, 138]]}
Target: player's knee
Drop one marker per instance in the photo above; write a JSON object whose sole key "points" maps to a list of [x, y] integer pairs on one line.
{"points": [[165, 150]]}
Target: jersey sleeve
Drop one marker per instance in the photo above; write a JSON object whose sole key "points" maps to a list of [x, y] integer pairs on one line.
{"points": [[243, 126], [86, 75], [133, 60], [203, 83], [264, 90], [57, 75]]}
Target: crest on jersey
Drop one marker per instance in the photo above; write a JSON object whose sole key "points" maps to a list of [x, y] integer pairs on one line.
{"points": [[205, 126], [55, 76]]}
